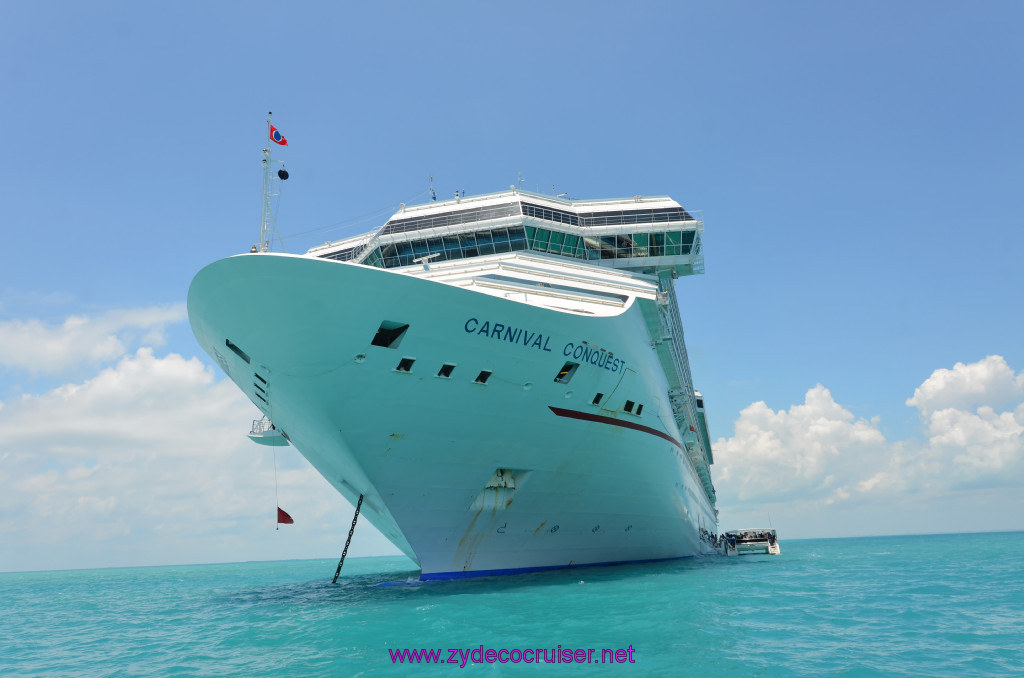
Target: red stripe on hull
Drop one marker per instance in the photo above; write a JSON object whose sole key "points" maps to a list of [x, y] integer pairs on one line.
{"points": [[601, 419]]}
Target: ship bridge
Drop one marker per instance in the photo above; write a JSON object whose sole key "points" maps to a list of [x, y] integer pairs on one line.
{"points": [[649, 235], [642, 234]]}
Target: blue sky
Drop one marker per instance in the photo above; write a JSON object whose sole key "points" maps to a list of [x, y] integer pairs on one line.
{"points": [[858, 334]]}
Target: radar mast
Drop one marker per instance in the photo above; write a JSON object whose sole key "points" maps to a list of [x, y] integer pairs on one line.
{"points": [[271, 189]]}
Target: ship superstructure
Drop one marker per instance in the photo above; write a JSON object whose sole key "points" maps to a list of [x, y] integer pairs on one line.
{"points": [[502, 377]]}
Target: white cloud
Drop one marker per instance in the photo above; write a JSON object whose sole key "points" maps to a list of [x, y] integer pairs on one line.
{"points": [[53, 348], [989, 381], [147, 462], [818, 458], [980, 444], [800, 452]]}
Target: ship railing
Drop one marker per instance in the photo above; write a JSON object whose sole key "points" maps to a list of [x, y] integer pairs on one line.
{"points": [[261, 426], [673, 325]]}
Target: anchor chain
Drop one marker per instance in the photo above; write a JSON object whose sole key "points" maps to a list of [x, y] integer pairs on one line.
{"points": [[348, 541]]}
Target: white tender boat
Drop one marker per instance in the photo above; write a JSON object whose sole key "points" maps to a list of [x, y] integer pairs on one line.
{"points": [[751, 542]]}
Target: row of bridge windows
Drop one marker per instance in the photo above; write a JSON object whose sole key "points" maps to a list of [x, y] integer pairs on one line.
{"points": [[500, 240]]}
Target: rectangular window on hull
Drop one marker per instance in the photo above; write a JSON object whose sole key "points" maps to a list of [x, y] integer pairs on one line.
{"points": [[239, 352], [405, 365], [390, 334], [446, 370], [483, 377], [639, 409], [629, 405], [565, 374], [597, 399]]}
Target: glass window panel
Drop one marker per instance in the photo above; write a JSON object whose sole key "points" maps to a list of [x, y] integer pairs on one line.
{"points": [[555, 244], [657, 244], [570, 245], [640, 242], [607, 247], [540, 241], [501, 242], [624, 246], [468, 242], [517, 238], [484, 243], [419, 248], [672, 246]]}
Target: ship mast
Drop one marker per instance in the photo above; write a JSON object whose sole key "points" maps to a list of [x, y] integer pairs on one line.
{"points": [[268, 227]]}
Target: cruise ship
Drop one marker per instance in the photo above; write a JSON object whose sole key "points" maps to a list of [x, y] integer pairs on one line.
{"points": [[500, 379]]}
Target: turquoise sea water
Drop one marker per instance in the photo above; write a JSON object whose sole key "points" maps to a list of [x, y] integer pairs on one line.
{"points": [[941, 605]]}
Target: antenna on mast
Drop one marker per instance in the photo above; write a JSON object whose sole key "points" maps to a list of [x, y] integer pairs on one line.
{"points": [[271, 189], [433, 195]]}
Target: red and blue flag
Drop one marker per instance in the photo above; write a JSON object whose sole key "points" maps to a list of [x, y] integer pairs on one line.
{"points": [[277, 137]]}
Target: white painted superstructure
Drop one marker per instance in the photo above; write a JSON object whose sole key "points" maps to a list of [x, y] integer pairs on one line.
{"points": [[502, 377]]}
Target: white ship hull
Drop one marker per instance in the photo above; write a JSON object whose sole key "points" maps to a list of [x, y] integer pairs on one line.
{"points": [[582, 484]]}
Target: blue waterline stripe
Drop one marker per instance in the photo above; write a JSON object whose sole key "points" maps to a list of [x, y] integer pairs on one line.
{"points": [[446, 576]]}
